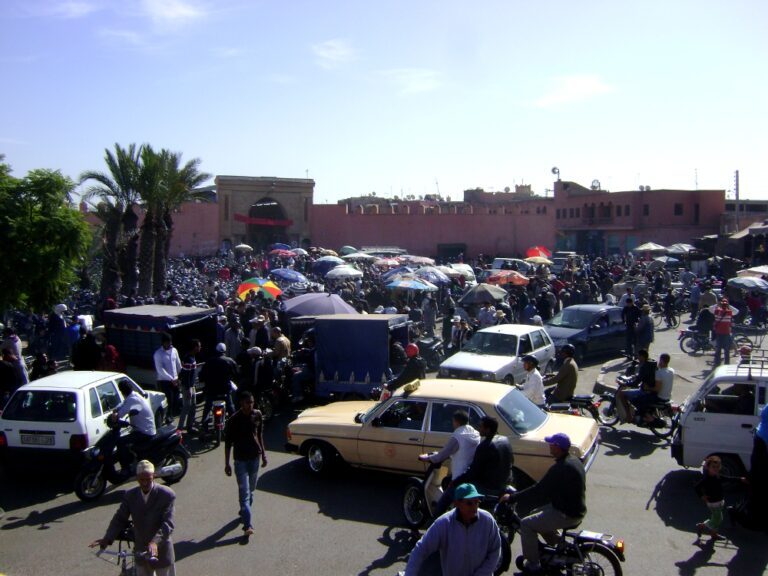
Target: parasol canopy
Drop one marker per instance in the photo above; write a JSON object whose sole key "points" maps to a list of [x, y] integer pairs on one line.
{"points": [[282, 253], [538, 251], [299, 251], [358, 257], [649, 247], [433, 275], [386, 263], [539, 260], [343, 272], [412, 284], [244, 248], [750, 283], [508, 277], [344, 250], [483, 293], [680, 249], [288, 275], [416, 260], [266, 287], [280, 246], [315, 304]]}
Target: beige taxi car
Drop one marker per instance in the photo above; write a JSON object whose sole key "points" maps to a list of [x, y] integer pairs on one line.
{"points": [[389, 435]]}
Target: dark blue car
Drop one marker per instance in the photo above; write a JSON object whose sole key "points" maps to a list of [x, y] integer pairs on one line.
{"points": [[593, 329]]}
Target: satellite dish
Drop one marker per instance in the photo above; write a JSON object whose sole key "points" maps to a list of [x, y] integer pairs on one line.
{"points": [[556, 170], [506, 189], [595, 184]]}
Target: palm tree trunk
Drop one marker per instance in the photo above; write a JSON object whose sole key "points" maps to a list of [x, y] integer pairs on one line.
{"points": [[168, 219], [146, 255], [129, 251], [110, 272], [160, 267]]}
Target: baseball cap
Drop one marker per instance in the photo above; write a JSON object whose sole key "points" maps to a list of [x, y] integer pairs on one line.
{"points": [[466, 492], [221, 347], [560, 440]]}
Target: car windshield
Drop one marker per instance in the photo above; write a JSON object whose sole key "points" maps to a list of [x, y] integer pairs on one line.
{"points": [[520, 413], [492, 343], [570, 318], [42, 406]]}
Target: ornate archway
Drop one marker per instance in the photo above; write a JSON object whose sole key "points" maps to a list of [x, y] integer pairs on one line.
{"points": [[267, 223]]}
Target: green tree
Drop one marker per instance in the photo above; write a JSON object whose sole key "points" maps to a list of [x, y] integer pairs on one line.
{"points": [[44, 238], [116, 193], [151, 186]]}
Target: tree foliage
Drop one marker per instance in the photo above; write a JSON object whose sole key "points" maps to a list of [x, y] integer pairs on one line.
{"points": [[44, 239]]}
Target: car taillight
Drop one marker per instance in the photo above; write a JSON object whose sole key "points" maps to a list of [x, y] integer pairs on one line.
{"points": [[78, 442], [287, 433], [3, 439]]}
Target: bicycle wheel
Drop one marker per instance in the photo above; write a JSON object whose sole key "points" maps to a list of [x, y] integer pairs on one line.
{"points": [[599, 560], [658, 319], [672, 320]]}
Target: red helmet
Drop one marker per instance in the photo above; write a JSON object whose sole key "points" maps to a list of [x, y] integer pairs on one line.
{"points": [[411, 350]]}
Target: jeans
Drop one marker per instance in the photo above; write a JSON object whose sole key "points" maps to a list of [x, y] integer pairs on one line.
{"points": [[246, 472], [722, 344], [188, 408], [545, 521]]}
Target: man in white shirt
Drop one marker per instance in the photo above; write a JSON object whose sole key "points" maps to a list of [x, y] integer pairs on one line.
{"points": [[139, 412], [460, 448], [167, 370], [533, 384]]}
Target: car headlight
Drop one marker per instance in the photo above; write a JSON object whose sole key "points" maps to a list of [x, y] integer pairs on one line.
{"points": [[488, 376]]}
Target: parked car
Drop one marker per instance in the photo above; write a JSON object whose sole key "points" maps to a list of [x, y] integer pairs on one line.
{"points": [[721, 417], [593, 329], [494, 354], [64, 413], [390, 435], [511, 264]]}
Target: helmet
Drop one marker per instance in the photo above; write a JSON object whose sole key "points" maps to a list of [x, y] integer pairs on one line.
{"points": [[532, 359], [568, 349], [411, 350]]}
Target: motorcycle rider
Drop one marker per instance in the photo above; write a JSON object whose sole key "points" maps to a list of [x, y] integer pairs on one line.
{"points": [[142, 421], [533, 385], [415, 368], [563, 487], [218, 373], [565, 380], [491, 467], [651, 391], [644, 382], [460, 448]]}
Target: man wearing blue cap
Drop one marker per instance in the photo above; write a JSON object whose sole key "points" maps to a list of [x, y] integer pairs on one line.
{"points": [[564, 488], [467, 537]]}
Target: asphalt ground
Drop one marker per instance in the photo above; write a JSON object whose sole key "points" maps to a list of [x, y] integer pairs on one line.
{"points": [[352, 523]]}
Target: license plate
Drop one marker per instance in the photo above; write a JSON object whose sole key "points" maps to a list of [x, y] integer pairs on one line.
{"points": [[38, 439]]}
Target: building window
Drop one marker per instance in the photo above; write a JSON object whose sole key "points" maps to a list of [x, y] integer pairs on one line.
{"points": [[557, 214], [578, 212], [543, 209], [626, 210], [678, 209], [646, 210], [570, 212], [618, 210]]}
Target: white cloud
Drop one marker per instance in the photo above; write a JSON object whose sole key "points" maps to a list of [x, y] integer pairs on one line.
{"points": [[333, 53], [126, 36], [74, 9], [171, 12], [228, 52], [573, 88], [414, 80]]}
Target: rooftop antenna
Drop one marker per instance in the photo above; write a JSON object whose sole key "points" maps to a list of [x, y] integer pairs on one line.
{"points": [[437, 185], [696, 178], [556, 172]]}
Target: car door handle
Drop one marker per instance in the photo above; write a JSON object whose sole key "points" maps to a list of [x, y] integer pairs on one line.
{"points": [[747, 426], [414, 439]]}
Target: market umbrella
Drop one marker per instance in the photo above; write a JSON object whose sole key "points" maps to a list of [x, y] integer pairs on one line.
{"points": [[433, 275], [280, 253], [483, 293], [299, 251], [391, 274], [756, 271], [266, 287], [386, 262], [358, 257], [649, 247], [343, 272], [244, 248], [538, 251], [344, 250], [323, 265], [328, 252], [448, 271], [666, 259], [412, 284], [750, 283], [539, 260], [680, 249], [280, 246], [315, 304], [288, 275], [508, 277], [417, 260]]}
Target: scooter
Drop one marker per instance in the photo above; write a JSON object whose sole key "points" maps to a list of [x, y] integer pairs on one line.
{"points": [[576, 552], [165, 450], [578, 405]]}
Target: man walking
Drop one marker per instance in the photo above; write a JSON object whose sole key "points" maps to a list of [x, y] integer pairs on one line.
{"points": [[244, 433], [167, 369], [188, 378], [150, 507]]}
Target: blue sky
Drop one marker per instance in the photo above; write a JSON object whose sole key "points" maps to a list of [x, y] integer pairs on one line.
{"points": [[396, 97]]}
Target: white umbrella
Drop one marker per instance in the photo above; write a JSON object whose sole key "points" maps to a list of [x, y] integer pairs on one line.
{"points": [[343, 272], [448, 271], [649, 247], [681, 249], [244, 247], [358, 257], [299, 251]]}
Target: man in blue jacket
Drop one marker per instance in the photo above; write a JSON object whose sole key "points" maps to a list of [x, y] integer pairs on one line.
{"points": [[467, 537]]}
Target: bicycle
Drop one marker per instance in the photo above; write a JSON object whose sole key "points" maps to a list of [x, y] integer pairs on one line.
{"points": [[125, 559]]}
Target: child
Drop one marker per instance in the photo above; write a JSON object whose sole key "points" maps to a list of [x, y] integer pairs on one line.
{"points": [[710, 489]]}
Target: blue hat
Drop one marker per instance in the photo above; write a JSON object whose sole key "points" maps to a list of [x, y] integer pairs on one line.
{"points": [[560, 440], [466, 492]]}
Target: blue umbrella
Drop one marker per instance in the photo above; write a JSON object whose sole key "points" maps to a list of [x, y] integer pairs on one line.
{"points": [[749, 283], [432, 274], [412, 284], [323, 265], [396, 272], [280, 246], [288, 275]]}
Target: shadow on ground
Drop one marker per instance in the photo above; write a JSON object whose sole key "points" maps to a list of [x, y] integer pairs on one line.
{"points": [[628, 440]]}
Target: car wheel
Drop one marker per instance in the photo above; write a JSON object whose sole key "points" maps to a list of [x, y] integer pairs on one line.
{"points": [[509, 380], [321, 458]]}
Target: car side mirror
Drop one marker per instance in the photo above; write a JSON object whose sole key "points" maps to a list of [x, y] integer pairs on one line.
{"points": [[358, 418]]}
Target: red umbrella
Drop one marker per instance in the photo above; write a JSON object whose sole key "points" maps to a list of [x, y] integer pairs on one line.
{"points": [[282, 253], [537, 251], [508, 277]]}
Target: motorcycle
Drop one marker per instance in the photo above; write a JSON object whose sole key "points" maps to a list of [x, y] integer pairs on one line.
{"points": [[576, 552], [664, 415], [165, 450], [578, 405], [694, 342], [431, 349]]}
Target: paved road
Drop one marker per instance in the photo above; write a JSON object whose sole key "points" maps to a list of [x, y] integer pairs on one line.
{"points": [[352, 524]]}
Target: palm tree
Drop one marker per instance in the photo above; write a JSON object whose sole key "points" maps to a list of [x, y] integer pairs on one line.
{"points": [[180, 184], [151, 186], [117, 193]]}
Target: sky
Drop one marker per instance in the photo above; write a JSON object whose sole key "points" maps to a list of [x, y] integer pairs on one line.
{"points": [[395, 97]]}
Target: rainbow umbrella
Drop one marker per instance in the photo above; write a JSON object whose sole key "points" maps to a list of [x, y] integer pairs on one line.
{"points": [[266, 287]]}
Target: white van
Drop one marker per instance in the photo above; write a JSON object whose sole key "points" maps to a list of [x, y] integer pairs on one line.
{"points": [[721, 417]]}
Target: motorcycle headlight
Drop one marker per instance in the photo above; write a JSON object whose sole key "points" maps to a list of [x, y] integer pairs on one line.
{"points": [[95, 453]]}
